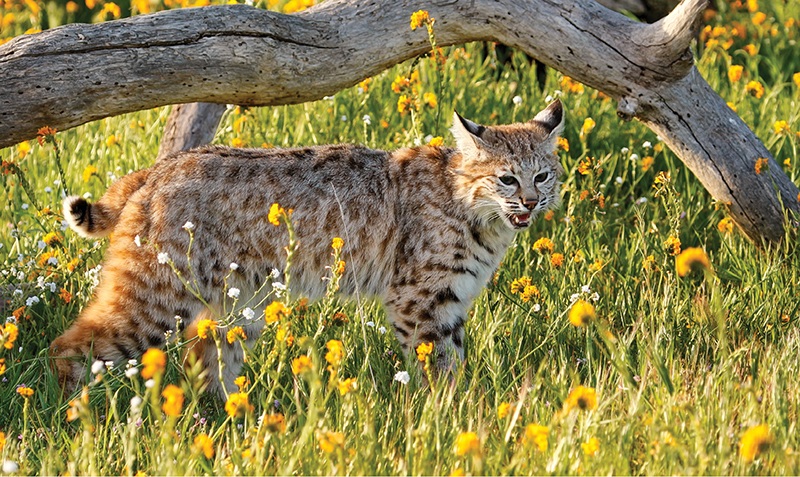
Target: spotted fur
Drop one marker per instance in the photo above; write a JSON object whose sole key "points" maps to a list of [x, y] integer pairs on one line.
{"points": [[424, 230]]}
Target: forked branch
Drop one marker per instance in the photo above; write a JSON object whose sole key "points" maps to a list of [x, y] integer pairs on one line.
{"points": [[234, 54]]}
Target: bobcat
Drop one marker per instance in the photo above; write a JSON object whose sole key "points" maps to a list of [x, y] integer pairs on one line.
{"points": [[424, 228]]}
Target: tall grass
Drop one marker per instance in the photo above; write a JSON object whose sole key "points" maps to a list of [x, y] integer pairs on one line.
{"points": [[682, 367]]}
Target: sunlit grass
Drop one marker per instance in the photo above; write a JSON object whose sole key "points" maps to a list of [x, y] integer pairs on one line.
{"points": [[677, 373]]}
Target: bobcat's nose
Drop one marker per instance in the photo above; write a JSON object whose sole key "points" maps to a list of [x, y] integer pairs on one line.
{"points": [[530, 203]]}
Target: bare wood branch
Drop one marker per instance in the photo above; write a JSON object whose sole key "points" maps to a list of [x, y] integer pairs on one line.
{"points": [[190, 125], [240, 55]]}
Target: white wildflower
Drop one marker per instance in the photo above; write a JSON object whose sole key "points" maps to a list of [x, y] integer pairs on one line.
{"points": [[641, 200], [11, 319], [233, 292], [594, 296], [517, 100], [163, 257], [52, 286], [87, 195], [367, 120], [150, 383], [574, 297], [137, 241], [136, 403], [52, 260], [10, 467], [548, 99], [64, 225], [537, 307], [403, 377], [344, 118], [371, 324], [278, 286], [625, 150], [98, 367], [275, 273], [131, 372], [647, 145], [32, 300], [24, 206], [41, 245], [248, 313], [634, 157], [132, 362], [188, 225], [109, 364], [234, 266], [619, 180], [48, 189], [586, 289], [382, 330]]}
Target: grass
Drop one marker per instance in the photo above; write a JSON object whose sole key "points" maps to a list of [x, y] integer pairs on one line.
{"points": [[682, 367]]}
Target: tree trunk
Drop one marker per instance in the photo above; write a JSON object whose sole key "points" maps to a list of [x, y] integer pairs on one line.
{"points": [[190, 125], [234, 54]]}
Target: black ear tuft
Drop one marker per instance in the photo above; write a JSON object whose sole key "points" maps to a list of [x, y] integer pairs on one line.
{"points": [[551, 117], [473, 128]]}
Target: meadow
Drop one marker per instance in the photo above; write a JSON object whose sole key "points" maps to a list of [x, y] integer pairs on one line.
{"points": [[589, 352]]}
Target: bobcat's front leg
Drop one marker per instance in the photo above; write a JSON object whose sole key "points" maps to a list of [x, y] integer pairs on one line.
{"points": [[422, 315]]}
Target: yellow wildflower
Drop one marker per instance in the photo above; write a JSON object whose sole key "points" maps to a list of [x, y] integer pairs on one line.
{"points": [[578, 258], [751, 50], [691, 259], [519, 284], [25, 391], [302, 364], [762, 164], [236, 333], [430, 98], [436, 141], [673, 245], [759, 18], [571, 86], [2, 371], [544, 245], [549, 215], [782, 127], [754, 88], [400, 83], [420, 18], [752, 5], [340, 267], [503, 410], [582, 398], [274, 423], [2, 440], [337, 243], [241, 382], [582, 313], [205, 445], [204, 327], [458, 472], [536, 435], [650, 263], [529, 293], [591, 446], [588, 126], [51, 238], [556, 260], [796, 79], [364, 85], [596, 266], [725, 225], [563, 144], [330, 442], [335, 352], [112, 139], [275, 311], [116, 12], [89, 172], [237, 142], [467, 443], [275, 213], [423, 350], [238, 405], [348, 385], [10, 334], [647, 161], [755, 442], [585, 166], [154, 361], [173, 400], [23, 148], [404, 104]]}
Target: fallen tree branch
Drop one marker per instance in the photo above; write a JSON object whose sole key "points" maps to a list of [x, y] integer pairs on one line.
{"points": [[234, 54]]}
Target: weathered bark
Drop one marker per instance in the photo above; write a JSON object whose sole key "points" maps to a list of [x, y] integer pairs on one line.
{"points": [[190, 125], [240, 55]]}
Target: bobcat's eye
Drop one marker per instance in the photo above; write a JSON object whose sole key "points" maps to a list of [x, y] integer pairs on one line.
{"points": [[508, 180], [541, 177]]}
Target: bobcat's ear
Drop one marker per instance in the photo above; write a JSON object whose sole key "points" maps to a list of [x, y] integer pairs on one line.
{"points": [[467, 135], [550, 121]]}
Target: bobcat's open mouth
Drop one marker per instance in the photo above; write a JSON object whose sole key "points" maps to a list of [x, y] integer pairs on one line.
{"points": [[520, 221]]}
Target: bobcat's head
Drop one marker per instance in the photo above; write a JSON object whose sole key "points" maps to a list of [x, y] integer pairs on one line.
{"points": [[510, 173]]}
